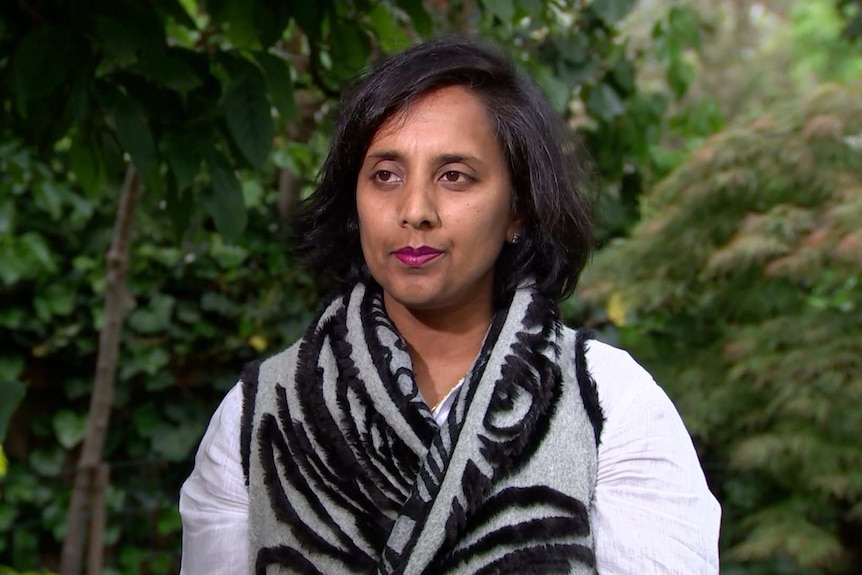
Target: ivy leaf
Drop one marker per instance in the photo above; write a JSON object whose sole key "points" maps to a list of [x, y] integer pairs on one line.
{"points": [[610, 12], [42, 62], [69, 427], [680, 75], [224, 199], [247, 110], [11, 390], [279, 84], [134, 135], [683, 24], [47, 462], [174, 442], [36, 253], [604, 102], [7, 218]]}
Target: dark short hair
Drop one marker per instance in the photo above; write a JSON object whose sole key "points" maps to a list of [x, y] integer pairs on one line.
{"points": [[545, 167]]}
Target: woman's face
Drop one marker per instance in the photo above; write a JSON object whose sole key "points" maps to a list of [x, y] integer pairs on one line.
{"points": [[434, 203]]}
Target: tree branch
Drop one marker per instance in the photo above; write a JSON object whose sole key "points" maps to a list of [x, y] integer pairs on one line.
{"points": [[102, 396]]}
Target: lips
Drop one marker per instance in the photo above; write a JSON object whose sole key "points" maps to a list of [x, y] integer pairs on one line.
{"points": [[416, 257]]}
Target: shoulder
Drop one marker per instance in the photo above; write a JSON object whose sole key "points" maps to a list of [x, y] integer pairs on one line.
{"points": [[652, 505], [618, 377]]}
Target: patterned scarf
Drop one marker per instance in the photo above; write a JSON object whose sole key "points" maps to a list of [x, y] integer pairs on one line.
{"points": [[349, 473]]}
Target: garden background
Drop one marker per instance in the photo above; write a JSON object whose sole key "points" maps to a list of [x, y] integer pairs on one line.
{"points": [[152, 153]]}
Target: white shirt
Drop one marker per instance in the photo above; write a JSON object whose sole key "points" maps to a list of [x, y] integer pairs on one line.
{"points": [[652, 512]]}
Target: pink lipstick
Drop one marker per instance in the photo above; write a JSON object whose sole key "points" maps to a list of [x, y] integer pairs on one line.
{"points": [[416, 257]]}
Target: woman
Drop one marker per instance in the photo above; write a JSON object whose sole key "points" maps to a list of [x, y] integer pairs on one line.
{"points": [[437, 417]]}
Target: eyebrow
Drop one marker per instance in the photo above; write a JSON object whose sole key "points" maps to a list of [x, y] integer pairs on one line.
{"points": [[440, 159]]}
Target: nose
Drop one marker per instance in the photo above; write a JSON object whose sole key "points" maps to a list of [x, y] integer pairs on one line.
{"points": [[418, 206]]}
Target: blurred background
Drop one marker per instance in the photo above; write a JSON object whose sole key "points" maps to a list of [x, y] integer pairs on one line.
{"points": [[179, 135]]}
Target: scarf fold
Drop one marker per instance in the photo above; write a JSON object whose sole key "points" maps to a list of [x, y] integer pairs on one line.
{"points": [[349, 473]]}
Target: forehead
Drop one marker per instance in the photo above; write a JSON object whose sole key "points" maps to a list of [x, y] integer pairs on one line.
{"points": [[449, 112]]}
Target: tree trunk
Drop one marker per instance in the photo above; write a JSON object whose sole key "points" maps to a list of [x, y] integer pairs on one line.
{"points": [[101, 400], [96, 547]]}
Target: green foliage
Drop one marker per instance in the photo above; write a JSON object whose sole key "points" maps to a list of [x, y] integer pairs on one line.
{"points": [[820, 48], [201, 308], [851, 13], [740, 290], [213, 103]]}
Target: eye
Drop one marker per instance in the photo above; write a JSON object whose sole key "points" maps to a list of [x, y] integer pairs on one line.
{"points": [[455, 177], [384, 175]]}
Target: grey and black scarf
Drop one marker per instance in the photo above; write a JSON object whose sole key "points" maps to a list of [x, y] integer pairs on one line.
{"points": [[348, 472]]}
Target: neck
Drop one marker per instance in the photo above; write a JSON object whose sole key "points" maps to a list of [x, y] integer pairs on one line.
{"points": [[443, 344]]}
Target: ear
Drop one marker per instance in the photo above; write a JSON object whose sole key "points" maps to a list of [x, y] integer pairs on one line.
{"points": [[516, 225]]}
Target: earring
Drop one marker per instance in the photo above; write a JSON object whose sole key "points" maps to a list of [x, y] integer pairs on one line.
{"points": [[516, 237]]}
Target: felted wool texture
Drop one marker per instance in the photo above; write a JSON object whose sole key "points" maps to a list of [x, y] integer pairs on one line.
{"points": [[349, 473]]}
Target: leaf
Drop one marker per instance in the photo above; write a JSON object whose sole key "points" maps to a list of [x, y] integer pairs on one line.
{"points": [[531, 8], [623, 77], [36, 252], [389, 33], [247, 110], [48, 197], [69, 427], [680, 75], [419, 17], [611, 11], [154, 318], [86, 163], [42, 62], [279, 84], [179, 205], [174, 442], [349, 48], [309, 16], [684, 25], [237, 20], [182, 153], [503, 10], [224, 199], [168, 68], [170, 522], [11, 390], [271, 17], [175, 10], [47, 462], [604, 102], [134, 135], [7, 218], [119, 42]]}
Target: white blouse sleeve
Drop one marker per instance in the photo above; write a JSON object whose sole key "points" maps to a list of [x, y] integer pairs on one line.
{"points": [[214, 500], [652, 512]]}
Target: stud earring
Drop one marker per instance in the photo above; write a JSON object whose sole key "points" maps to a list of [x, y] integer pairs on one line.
{"points": [[516, 237]]}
